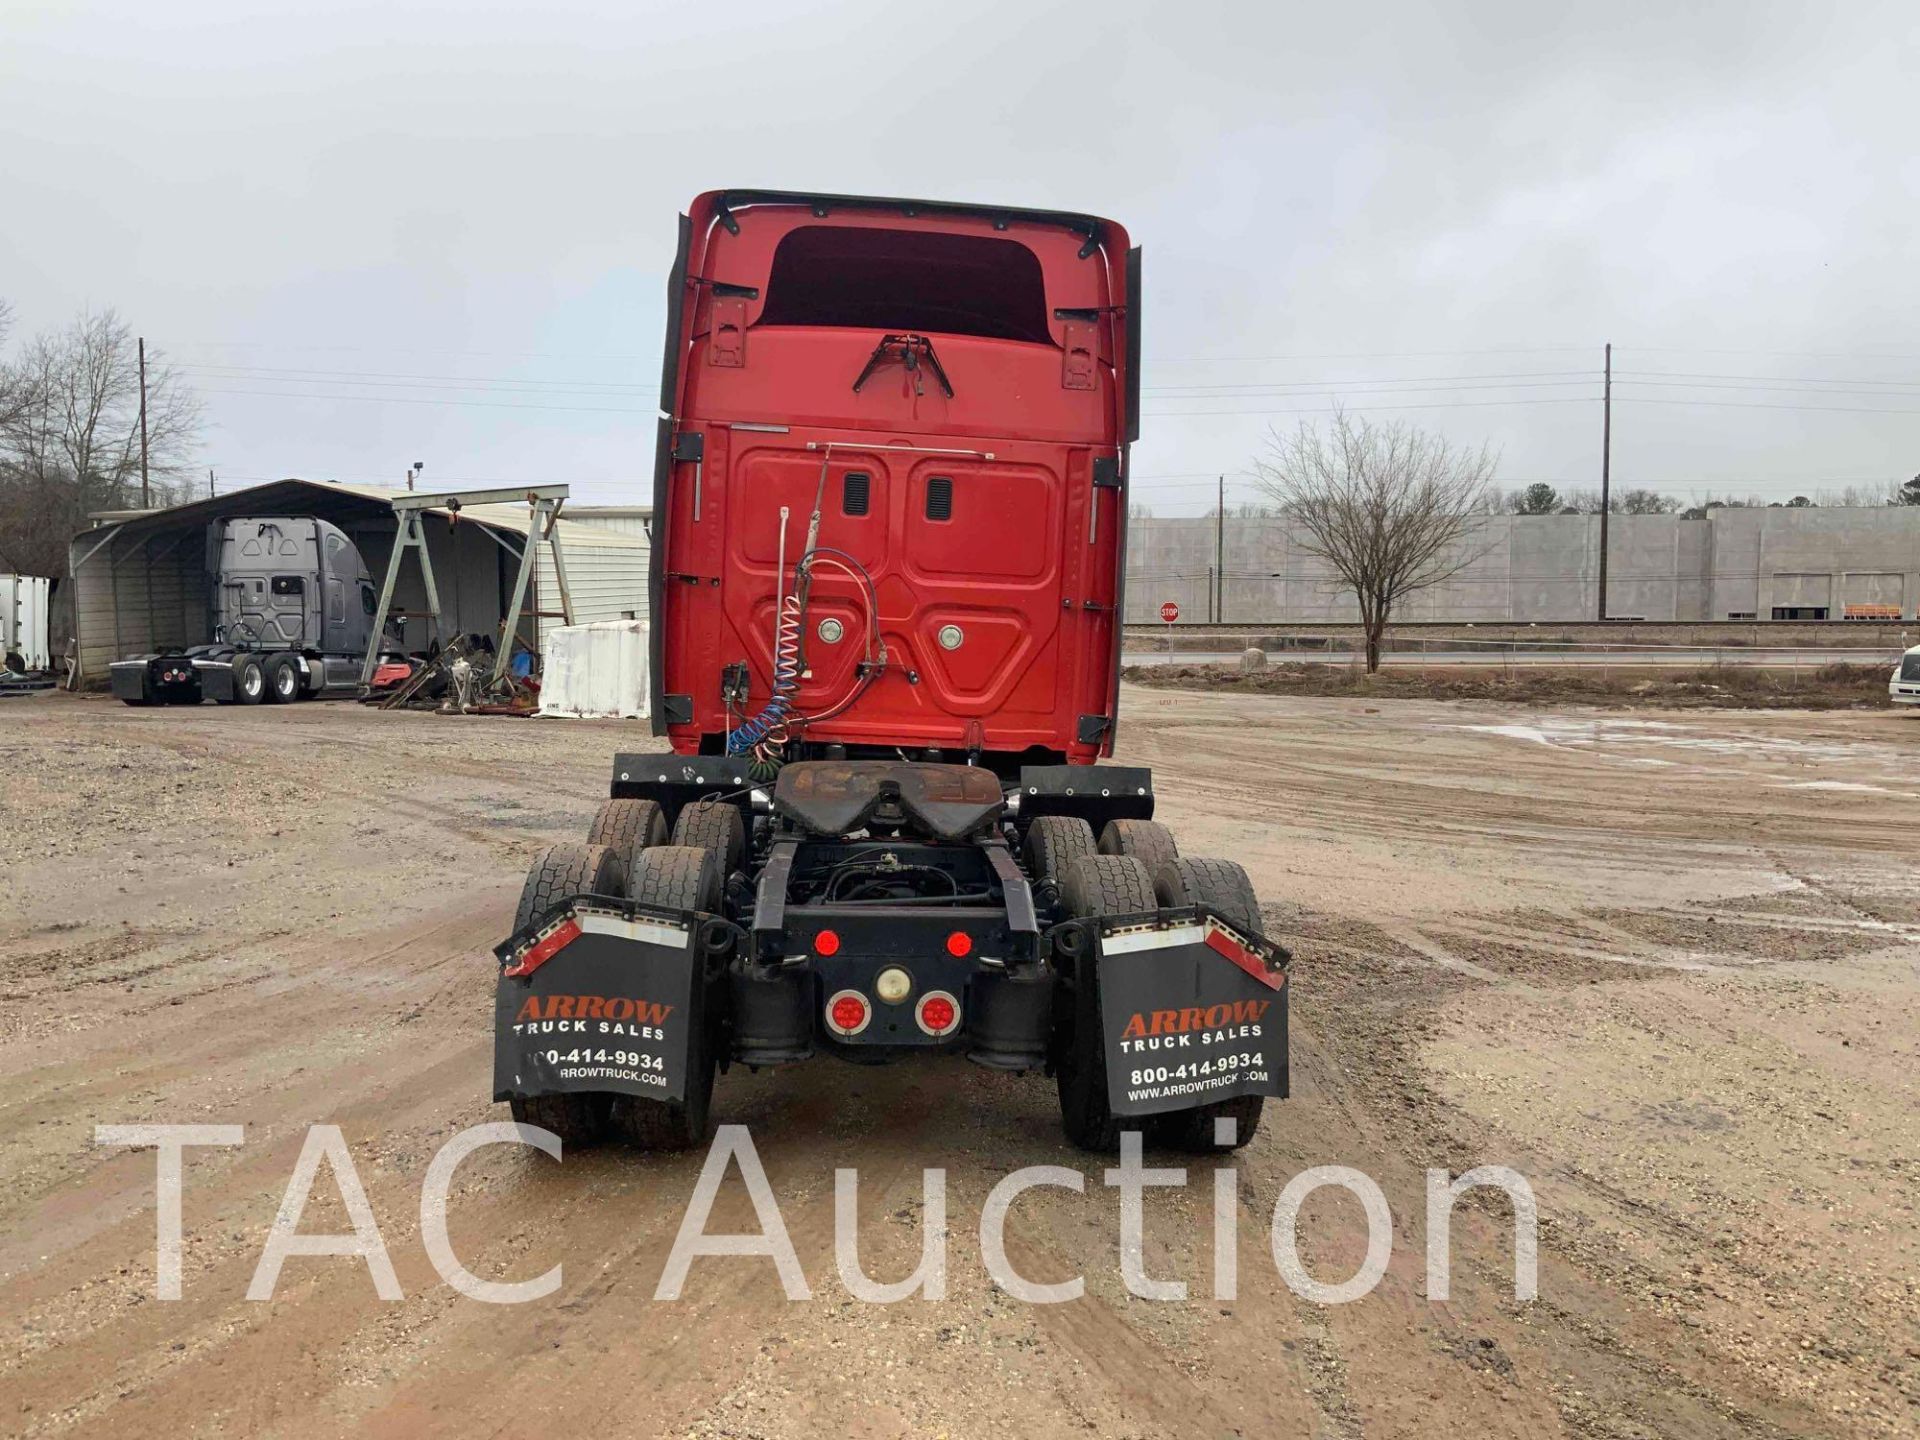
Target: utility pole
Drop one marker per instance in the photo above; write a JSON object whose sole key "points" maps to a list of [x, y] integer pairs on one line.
{"points": [[210, 490], [1606, 472], [146, 499], [1220, 552]]}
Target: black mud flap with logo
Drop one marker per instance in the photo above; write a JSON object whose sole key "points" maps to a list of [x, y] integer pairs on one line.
{"points": [[1191, 1011], [598, 995]]}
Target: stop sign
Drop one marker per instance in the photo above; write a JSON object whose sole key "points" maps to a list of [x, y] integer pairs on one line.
{"points": [[1169, 611]]}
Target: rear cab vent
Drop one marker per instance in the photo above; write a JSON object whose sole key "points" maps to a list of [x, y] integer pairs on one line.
{"points": [[855, 493], [940, 497]]}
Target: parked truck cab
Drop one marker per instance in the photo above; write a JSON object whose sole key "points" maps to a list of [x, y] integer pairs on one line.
{"points": [[290, 611], [1903, 685], [889, 543]]}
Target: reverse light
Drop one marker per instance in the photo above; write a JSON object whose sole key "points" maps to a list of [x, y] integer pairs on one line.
{"points": [[938, 1013], [893, 985], [848, 1013], [959, 944], [827, 942]]}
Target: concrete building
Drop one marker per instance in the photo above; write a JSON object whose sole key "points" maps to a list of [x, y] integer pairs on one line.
{"points": [[140, 578], [1737, 564]]}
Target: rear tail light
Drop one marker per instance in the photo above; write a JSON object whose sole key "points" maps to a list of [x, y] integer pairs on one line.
{"points": [[938, 1013], [827, 942], [848, 1013], [959, 944]]}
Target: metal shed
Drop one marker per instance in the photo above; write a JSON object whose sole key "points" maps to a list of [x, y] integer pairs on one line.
{"points": [[140, 578]]}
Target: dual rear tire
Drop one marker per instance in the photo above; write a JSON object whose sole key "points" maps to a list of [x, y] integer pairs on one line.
{"points": [[1133, 869], [674, 877], [249, 681], [284, 681]]}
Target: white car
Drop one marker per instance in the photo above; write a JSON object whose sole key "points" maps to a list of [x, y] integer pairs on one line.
{"points": [[1903, 686]]}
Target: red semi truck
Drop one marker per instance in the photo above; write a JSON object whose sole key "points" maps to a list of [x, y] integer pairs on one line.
{"points": [[890, 507]]}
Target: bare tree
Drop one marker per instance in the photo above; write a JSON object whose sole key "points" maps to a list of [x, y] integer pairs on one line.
{"points": [[1623, 502], [1391, 508], [1861, 496], [12, 392], [70, 436], [1644, 502]]}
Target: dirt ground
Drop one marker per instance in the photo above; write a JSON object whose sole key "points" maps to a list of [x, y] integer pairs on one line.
{"points": [[1664, 965], [1624, 687]]}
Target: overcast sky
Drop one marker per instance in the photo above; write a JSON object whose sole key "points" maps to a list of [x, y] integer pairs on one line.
{"points": [[399, 231]]}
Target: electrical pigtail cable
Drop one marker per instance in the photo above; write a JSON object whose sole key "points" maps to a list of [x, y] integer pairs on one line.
{"points": [[767, 732]]}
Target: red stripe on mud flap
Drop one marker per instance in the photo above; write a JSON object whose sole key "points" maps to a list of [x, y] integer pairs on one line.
{"points": [[544, 949], [1223, 943]]}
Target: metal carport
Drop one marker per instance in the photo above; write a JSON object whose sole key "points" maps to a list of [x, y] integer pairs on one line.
{"points": [[140, 578]]}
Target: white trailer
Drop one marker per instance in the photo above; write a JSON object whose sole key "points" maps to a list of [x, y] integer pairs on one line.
{"points": [[23, 621]]}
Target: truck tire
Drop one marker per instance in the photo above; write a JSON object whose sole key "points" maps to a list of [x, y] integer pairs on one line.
{"points": [[1053, 843], [1147, 841], [1222, 886], [568, 869], [676, 877], [560, 871], [1092, 885], [283, 680], [714, 825], [249, 681], [627, 827]]}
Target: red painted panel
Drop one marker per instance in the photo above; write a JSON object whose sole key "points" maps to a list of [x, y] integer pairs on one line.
{"points": [[1022, 570]]}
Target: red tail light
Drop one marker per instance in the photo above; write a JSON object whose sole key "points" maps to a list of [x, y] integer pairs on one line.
{"points": [[848, 1013], [938, 1013], [827, 942], [959, 944]]}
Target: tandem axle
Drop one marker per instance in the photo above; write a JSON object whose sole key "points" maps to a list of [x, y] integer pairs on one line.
{"points": [[874, 910]]}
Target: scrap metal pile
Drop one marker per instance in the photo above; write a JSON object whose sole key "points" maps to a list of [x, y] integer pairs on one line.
{"points": [[462, 678]]}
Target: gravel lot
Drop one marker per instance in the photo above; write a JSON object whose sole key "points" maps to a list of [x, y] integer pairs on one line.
{"points": [[1663, 964]]}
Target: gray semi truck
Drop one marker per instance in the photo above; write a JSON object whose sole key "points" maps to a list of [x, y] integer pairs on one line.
{"points": [[291, 616]]}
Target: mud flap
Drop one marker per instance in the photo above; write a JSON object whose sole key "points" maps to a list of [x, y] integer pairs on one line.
{"points": [[129, 679], [599, 997], [1191, 1011]]}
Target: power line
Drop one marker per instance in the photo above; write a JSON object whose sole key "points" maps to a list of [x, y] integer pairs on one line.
{"points": [[431, 382], [1763, 381], [1563, 375], [1763, 405], [1435, 405], [648, 413], [1364, 355]]}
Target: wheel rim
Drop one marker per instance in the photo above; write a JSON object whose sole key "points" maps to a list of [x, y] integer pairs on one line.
{"points": [[283, 682], [250, 682]]}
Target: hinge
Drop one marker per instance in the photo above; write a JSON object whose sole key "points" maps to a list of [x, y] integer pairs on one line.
{"points": [[689, 445], [1092, 728], [1106, 471], [727, 341], [1078, 364]]}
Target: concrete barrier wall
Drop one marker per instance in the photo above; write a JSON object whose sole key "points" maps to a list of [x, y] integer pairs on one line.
{"points": [[1735, 564]]}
